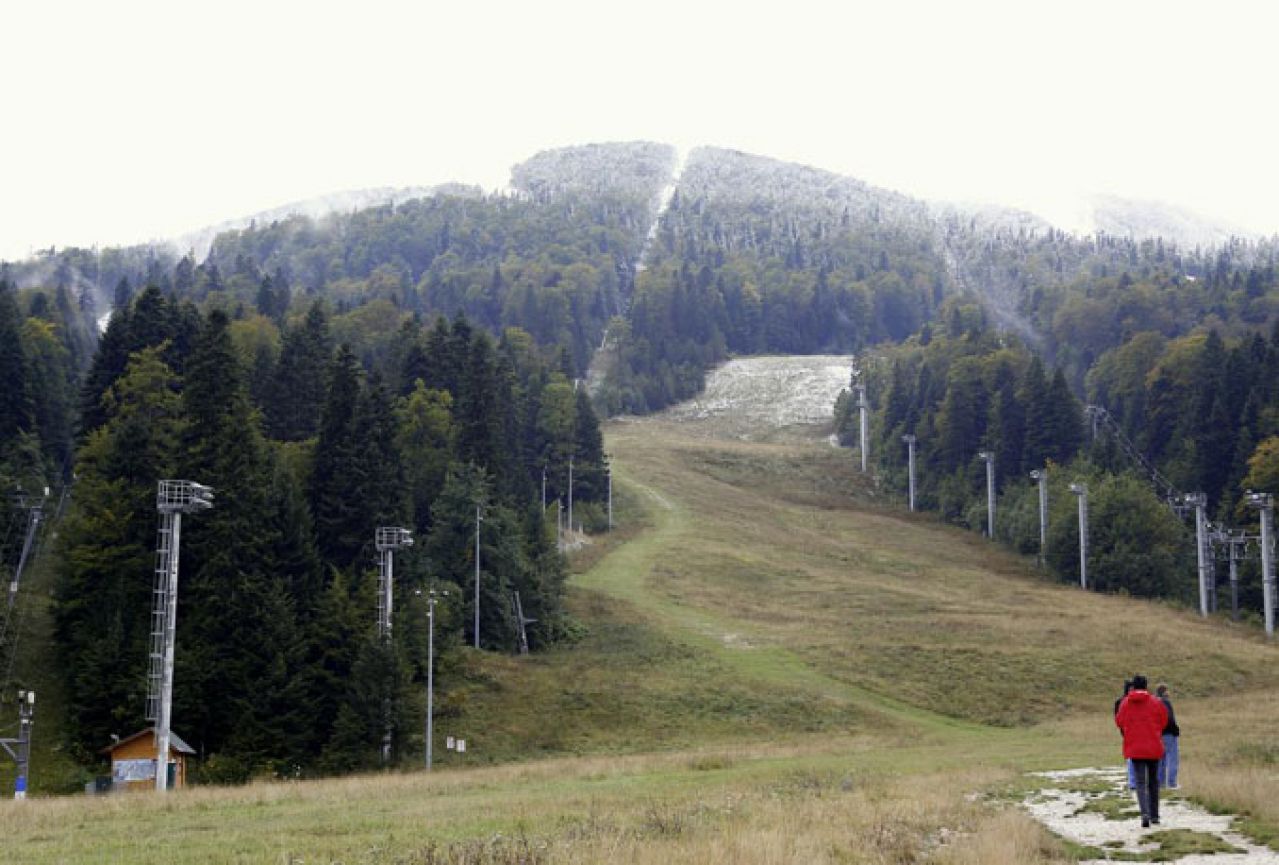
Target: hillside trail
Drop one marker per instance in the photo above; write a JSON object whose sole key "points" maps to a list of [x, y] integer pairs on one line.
{"points": [[766, 407], [1094, 809], [756, 399]]}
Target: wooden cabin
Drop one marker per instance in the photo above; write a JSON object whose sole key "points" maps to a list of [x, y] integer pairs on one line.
{"points": [[133, 761]]}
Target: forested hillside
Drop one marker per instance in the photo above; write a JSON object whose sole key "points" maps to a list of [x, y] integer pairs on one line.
{"points": [[755, 255], [404, 363]]}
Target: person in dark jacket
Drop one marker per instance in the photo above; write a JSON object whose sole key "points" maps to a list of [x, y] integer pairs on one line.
{"points": [[1132, 775], [1142, 718], [1171, 760]]}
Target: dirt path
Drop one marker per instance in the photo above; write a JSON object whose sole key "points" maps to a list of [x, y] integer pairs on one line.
{"points": [[1094, 809]]}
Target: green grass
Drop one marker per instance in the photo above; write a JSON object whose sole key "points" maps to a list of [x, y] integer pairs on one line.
{"points": [[766, 641]]}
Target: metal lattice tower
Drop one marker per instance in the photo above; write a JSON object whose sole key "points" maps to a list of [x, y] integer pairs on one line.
{"points": [[20, 748], [388, 539], [173, 499]]}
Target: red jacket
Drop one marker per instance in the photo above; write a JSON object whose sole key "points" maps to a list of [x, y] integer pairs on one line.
{"points": [[1141, 718]]}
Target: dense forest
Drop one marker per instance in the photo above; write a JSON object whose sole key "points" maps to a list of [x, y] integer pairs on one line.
{"points": [[309, 450], [402, 364]]}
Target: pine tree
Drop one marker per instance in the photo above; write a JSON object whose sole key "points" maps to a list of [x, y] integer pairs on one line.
{"points": [[336, 486], [297, 394]]}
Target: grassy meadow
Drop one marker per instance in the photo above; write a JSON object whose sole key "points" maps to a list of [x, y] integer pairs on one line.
{"points": [[778, 665]]}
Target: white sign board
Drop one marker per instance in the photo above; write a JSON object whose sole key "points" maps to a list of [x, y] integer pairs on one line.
{"points": [[132, 770]]}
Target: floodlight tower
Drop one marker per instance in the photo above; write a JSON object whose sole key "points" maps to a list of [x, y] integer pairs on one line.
{"points": [[1081, 490], [909, 438], [1040, 476], [1199, 502], [388, 539], [20, 748], [1265, 502], [863, 409], [989, 458], [173, 499]]}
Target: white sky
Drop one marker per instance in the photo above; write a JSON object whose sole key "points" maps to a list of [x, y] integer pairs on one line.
{"points": [[129, 120]]}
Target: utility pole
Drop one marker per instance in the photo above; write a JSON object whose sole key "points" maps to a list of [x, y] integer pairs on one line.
{"points": [[1199, 502], [863, 409], [608, 466], [543, 487], [478, 519], [570, 493], [20, 748], [173, 499], [430, 675], [909, 438], [1265, 502], [1040, 476], [1081, 490], [559, 525], [989, 458], [387, 539]]}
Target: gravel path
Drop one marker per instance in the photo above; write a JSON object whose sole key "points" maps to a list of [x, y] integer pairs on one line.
{"points": [[1058, 805]]}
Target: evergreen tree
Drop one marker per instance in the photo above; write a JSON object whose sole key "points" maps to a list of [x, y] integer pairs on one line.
{"points": [[297, 396], [337, 483]]}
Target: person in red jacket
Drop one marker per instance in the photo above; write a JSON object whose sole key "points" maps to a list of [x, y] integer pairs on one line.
{"points": [[1141, 718]]}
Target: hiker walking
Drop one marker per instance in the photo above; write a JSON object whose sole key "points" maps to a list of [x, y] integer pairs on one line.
{"points": [[1132, 775], [1142, 718], [1171, 760]]}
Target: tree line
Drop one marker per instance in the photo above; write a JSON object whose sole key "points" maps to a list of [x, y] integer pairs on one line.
{"points": [[1204, 411]]}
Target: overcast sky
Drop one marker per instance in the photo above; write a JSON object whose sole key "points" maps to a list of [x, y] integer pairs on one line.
{"points": [[129, 120]]}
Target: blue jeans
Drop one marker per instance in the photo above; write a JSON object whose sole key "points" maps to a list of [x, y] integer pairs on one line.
{"points": [[1132, 775], [1170, 763]]}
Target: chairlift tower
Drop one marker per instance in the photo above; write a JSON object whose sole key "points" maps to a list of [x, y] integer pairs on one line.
{"points": [[1236, 544], [1081, 490], [479, 518], [863, 418], [20, 748], [988, 457], [608, 467], [173, 499], [909, 438], [1199, 502], [570, 493], [1040, 476], [1265, 503]]}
